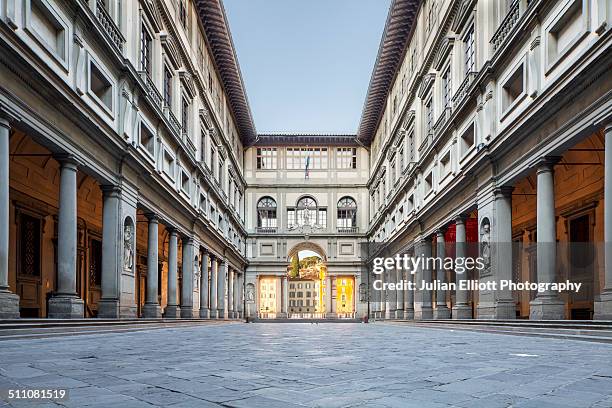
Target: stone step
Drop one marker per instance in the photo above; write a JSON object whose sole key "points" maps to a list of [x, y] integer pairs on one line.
{"points": [[563, 324], [63, 328], [599, 335], [40, 323]]}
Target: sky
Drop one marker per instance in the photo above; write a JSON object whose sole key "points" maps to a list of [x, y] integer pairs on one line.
{"points": [[306, 64]]}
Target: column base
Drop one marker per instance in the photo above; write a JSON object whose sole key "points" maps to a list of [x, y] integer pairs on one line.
{"points": [[389, 314], [505, 309], [461, 312], [172, 312], [9, 305], [283, 315], [66, 307], [151, 311], [409, 314], [220, 313], [108, 309], [547, 307], [204, 314], [187, 312], [399, 314], [426, 313], [603, 306], [128, 312], [441, 312]]}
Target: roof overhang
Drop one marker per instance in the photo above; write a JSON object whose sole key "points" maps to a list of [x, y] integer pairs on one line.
{"points": [[214, 21], [391, 52], [298, 139]]}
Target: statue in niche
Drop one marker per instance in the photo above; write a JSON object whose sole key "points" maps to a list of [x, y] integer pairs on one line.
{"points": [[485, 243], [250, 293], [128, 245]]}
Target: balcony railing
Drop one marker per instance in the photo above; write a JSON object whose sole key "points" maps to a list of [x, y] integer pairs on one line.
{"points": [[266, 230], [151, 89], [506, 26], [109, 26], [464, 88], [446, 113], [175, 125], [348, 230]]}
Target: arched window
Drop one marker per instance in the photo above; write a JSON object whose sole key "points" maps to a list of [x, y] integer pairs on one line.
{"points": [[347, 213], [266, 213]]}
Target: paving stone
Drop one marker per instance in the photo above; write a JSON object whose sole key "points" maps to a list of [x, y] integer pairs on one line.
{"points": [[303, 365]]}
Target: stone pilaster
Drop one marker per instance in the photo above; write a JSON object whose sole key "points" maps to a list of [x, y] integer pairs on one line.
{"points": [[399, 294], [9, 302], [230, 293], [547, 305], [221, 277], [214, 273], [151, 309], [409, 298], [65, 304], [603, 304]]}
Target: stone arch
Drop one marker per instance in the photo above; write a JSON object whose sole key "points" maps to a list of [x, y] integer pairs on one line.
{"points": [[307, 245]]}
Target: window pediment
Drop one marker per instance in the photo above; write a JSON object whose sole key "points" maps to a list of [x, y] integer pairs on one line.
{"points": [[443, 52], [170, 49], [426, 84]]}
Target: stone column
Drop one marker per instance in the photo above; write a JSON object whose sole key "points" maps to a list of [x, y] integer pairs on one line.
{"points": [[391, 303], [328, 296], [285, 290], [9, 302], [603, 304], [221, 276], [214, 273], [241, 294], [547, 305], [399, 308], [151, 309], [204, 289], [236, 297], [461, 309], [173, 310], [108, 306], [423, 309], [409, 298], [230, 293], [65, 304], [441, 311], [188, 269], [504, 303]]}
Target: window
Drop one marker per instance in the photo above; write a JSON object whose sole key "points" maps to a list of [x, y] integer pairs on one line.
{"points": [[467, 139], [29, 243], [393, 174], [145, 50], [469, 51], [401, 156], [411, 146], [212, 159], [266, 158], [167, 87], [445, 164], [347, 213], [323, 218], [297, 157], [446, 88], [306, 211], [429, 116], [147, 139], [183, 13], [429, 182], [100, 85], [266, 213], [566, 31], [184, 181], [220, 173], [513, 88], [346, 158], [291, 218], [431, 8], [168, 163], [184, 114], [48, 29]]}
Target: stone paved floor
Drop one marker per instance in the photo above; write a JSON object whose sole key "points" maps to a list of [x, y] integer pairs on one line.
{"points": [[326, 365]]}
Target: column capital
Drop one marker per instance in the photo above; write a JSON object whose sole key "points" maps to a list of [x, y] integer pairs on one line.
{"points": [[546, 163], [503, 191], [110, 190], [67, 160], [152, 217], [4, 122], [172, 230], [440, 232], [460, 218], [205, 251]]}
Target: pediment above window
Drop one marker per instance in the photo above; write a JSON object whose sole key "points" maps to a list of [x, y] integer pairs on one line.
{"points": [[443, 52], [465, 11], [152, 14], [426, 84], [170, 49], [187, 83]]}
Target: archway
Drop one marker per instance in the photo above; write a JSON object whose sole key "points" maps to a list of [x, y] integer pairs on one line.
{"points": [[307, 281]]}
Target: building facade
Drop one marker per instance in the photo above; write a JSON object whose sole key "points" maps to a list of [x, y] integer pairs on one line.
{"points": [[133, 182]]}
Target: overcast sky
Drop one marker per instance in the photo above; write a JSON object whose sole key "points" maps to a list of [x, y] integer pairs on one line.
{"points": [[306, 63]]}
